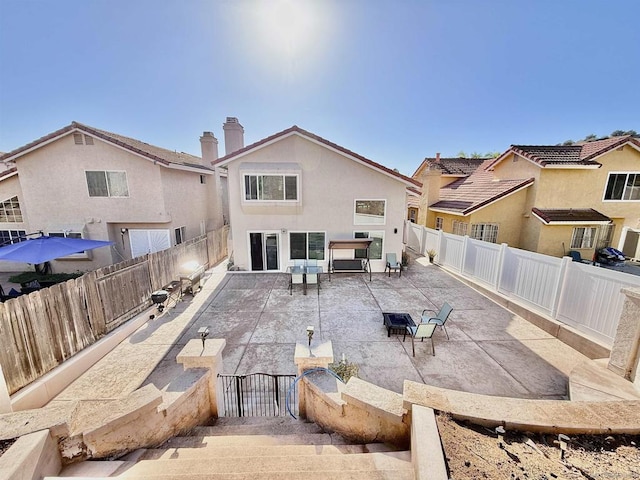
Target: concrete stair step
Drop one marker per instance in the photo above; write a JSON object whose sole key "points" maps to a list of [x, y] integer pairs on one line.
{"points": [[369, 462], [215, 452], [258, 429], [350, 475], [248, 441], [258, 421]]}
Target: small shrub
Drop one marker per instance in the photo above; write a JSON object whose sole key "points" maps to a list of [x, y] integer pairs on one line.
{"points": [[405, 259], [344, 369]]}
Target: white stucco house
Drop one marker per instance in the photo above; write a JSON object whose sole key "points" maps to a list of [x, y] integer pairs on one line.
{"points": [[84, 182], [292, 193]]}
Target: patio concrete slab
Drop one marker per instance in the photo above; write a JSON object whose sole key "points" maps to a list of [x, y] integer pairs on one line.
{"points": [[460, 298], [490, 351], [286, 327], [241, 300], [276, 359], [548, 378], [234, 327], [356, 326], [382, 363], [495, 324], [464, 366], [282, 301], [402, 300], [347, 299]]}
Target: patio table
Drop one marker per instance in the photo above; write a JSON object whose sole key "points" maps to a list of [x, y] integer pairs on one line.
{"points": [[304, 270]]}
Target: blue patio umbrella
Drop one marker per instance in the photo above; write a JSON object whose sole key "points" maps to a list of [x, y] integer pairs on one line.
{"points": [[44, 248]]}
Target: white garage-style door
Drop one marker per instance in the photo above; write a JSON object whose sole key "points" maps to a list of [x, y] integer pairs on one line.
{"points": [[148, 241]]}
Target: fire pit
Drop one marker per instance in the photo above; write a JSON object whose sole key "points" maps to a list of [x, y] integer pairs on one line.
{"points": [[190, 275]]}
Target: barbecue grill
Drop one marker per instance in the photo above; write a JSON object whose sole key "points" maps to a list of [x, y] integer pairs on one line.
{"points": [[159, 297], [190, 275]]}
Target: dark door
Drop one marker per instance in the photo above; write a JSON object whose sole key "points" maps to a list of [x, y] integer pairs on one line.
{"points": [[257, 262], [271, 250]]}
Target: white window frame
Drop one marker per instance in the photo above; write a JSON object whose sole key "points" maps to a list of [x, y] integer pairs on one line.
{"points": [[11, 211], [591, 238], [487, 232], [85, 255], [106, 172], [324, 245], [459, 228], [634, 189], [258, 190], [20, 234], [371, 234], [358, 219], [439, 223]]}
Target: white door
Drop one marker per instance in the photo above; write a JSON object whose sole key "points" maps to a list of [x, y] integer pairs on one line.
{"points": [[148, 241]]}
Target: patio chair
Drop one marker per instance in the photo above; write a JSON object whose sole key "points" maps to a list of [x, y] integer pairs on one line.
{"points": [[313, 279], [393, 264], [295, 279], [576, 257], [421, 331], [440, 319]]}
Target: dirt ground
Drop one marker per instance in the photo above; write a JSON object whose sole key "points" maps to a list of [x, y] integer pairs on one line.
{"points": [[474, 452]]}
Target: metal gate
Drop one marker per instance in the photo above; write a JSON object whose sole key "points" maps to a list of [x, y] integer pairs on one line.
{"points": [[258, 395]]}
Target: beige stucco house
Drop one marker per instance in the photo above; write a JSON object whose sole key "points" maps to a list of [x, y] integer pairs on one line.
{"points": [[547, 199], [292, 193], [84, 182]]}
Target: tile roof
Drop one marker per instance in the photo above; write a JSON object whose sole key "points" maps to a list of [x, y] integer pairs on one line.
{"points": [[468, 194], [598, 147], [571, 215], [551, 155], [159, 154], [579, 154], [317, 138], [452, 165]]}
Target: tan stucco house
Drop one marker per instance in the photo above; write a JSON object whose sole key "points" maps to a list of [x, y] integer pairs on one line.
{"points": [[547, 199], [84, 182], [292, 193]]}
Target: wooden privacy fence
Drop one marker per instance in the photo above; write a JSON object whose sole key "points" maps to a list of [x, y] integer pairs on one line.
{"points": [[41, 330]]}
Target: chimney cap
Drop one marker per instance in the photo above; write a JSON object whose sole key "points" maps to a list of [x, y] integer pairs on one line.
{"points": [[208, 134], [232, 120]]}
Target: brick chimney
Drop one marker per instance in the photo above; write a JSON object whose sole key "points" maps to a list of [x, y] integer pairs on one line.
{"points": [[437, 157], [209, 147], [233, 135]]}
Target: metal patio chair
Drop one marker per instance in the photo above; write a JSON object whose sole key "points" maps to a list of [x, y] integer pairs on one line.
{"points": [[440, 319], [421, 331], [393, 264]]}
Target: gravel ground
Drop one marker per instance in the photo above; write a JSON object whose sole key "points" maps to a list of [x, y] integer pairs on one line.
{"points": [[474, 452]]}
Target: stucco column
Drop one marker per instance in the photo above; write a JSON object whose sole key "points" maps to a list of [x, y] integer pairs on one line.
{"points": [[308, 358], [5, 399], [625, 353], [194, 355]]}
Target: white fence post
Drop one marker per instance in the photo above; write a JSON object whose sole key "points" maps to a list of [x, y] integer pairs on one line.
{"points": [[501, 257], [423, 240], [559, 286], [464, 253], [5, 399]]}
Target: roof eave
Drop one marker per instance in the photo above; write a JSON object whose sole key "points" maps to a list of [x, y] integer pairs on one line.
{"points": [[458, 213], [557, 166]]}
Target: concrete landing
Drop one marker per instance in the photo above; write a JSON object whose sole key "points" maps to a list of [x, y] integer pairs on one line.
{"points": [[593, 381]]}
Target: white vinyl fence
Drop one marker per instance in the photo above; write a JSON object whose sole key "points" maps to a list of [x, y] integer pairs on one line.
{"points": [[586, 297]]}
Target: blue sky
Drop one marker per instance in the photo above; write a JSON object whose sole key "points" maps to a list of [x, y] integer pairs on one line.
{"points": [[394, 81]]}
